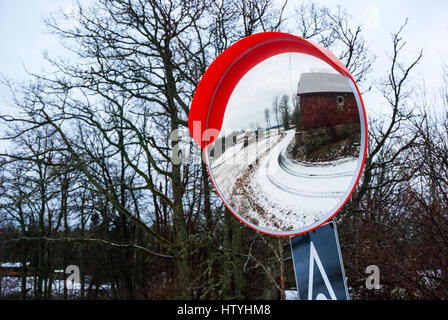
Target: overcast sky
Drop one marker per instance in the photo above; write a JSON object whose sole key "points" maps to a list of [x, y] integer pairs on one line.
{"points": [[23, 38]]}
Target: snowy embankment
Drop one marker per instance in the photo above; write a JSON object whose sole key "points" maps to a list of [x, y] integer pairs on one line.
{"points": [[272, 191]]}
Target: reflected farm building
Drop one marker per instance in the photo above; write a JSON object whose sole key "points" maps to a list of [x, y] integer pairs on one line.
{"points": [[328, 110]]}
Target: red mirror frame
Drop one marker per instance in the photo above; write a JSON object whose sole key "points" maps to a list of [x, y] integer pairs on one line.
{"points": [[218, 82]]}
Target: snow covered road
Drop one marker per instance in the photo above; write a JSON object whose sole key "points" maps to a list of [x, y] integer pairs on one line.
{"points": [[269, 189], [316, 187]]}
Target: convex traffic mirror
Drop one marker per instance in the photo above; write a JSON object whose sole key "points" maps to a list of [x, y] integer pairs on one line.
{"points": [[284, 134]]}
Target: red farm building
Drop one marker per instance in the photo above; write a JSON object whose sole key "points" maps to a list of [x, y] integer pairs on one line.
{"points": [[328, 109]]}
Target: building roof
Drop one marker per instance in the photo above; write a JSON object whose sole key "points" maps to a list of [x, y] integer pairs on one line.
{"points": [[312, 82]]}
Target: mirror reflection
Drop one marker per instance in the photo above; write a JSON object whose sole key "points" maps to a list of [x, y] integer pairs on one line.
{"points": [[289, 147]]}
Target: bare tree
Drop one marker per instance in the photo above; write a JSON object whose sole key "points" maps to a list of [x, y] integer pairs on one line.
{"points": [[388, 166], [276, 110], [333, 30], [285, 115], [267, 117]]}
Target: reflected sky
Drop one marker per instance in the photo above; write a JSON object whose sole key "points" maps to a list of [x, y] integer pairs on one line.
{"points": [[272, 77]]}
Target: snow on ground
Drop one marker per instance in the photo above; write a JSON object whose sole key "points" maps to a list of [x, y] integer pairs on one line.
{"points": [[291, 295], [13, 285], [272, 191]]}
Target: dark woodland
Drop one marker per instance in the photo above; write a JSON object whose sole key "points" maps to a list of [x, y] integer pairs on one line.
{"points": [[89, 180]]}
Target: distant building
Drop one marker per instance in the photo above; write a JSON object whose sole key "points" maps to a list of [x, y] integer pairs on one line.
{"points": [[326, 99], [328, 109]]}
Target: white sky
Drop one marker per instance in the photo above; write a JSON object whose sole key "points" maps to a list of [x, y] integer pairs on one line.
{"points": [[23, 38]]}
